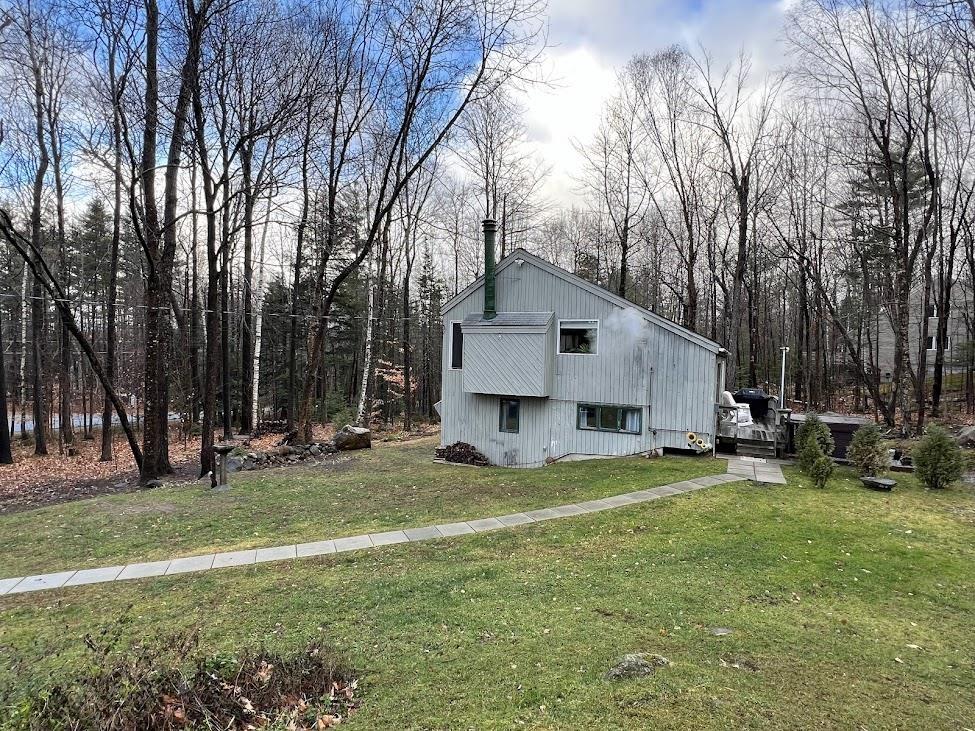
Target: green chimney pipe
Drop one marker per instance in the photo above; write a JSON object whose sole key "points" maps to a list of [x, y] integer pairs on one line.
{"points": [[490, 229]]}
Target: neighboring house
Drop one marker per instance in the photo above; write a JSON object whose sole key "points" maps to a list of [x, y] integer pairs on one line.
{"points": [[957, 347], [566, 368]]}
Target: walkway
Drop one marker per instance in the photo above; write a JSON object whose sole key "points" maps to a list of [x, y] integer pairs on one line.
{"points": [[757, 469], [738, 469]]}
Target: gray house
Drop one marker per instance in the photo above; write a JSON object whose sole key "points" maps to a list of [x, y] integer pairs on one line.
{"points": [[541, 365]]}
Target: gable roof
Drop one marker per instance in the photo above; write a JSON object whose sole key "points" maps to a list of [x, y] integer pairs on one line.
{"points": [[594, 289]]}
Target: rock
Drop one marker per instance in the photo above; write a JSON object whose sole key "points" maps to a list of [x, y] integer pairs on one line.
{"points": [[966, 437], [249, 464], [878, 483], [315, 451], [353, 437], [636, 665], [234, 464], [720, 631], [151, 484]]}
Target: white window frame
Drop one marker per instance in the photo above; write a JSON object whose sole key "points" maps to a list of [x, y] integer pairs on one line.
{"points": [[934, 343], [558, 335], [450, 347]]}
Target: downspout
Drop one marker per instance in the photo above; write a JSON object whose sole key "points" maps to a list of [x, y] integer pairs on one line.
{"points": [[490, 231]]}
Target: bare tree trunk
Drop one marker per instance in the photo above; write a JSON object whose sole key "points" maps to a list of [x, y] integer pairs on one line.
{"points": [[5, 455], [25, 301], [37, 244], [367, 362], [258, 320]]}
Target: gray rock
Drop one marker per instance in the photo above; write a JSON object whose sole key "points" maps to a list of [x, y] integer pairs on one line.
{"points": [[151, 484], [353, 437], [720, 631], [966, 436], [315, 450], [234, 464], [636, 665], [249, 464]]}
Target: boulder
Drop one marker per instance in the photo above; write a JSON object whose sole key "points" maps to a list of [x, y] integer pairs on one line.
{"points": [[966, 436], [353, 437], [235, 463], [314, 450]]}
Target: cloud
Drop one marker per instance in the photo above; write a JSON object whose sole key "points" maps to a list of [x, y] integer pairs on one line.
{"points": [[591, 39], [565, 111]]}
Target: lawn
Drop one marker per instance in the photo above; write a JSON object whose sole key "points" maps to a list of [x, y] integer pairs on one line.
{"points": [[847, 608], [392, 486]]}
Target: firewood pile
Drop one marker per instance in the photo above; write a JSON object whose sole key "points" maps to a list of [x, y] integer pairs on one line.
{"points": [[462, 453]]}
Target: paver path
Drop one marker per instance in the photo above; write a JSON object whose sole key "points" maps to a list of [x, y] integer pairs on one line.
{"points": [[738, 469], [757, 469]]}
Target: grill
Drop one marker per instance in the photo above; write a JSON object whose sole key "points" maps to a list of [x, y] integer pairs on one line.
{"points": [[757, 401]]}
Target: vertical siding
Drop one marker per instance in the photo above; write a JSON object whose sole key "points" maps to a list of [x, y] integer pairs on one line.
{"points": [[637, 364], [507, 363]]}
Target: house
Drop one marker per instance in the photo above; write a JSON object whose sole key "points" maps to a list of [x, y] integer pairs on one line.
{"points": [[541, 365], [958, 344]]}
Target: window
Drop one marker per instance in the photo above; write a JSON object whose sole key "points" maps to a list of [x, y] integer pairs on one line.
{"points": [[578, 337], [623, 419], [931, 346], [456, 346], [509, 416]]}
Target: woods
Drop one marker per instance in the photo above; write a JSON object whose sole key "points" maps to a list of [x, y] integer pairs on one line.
{"points": [[221, 213]]}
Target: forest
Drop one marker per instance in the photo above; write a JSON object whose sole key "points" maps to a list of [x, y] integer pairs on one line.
{"points": [[218, 214]]}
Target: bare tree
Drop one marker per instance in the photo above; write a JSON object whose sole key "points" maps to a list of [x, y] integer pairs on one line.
{"points": [[616, 170]]}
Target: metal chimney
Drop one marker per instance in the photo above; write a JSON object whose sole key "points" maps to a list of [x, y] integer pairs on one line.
{"points": [[490, 229]]}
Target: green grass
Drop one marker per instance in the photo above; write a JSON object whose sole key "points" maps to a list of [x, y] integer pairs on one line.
{"points": [[824, 591], [392, 486]]}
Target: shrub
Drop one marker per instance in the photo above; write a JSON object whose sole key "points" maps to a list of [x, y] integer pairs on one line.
{"points": [[938, 459], [867, 452], [822, 469], [815, 431], [171, 685]]}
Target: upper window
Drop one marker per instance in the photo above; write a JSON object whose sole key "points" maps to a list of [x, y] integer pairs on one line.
{"points": [[510, 415], [622, 419], [578, 337], [456, 345]]}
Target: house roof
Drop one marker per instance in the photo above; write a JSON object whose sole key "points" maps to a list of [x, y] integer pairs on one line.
{"points": [[511, 319], [594, 289]]}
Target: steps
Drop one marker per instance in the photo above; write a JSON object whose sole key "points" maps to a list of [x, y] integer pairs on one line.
{"points": [[756, 448]]}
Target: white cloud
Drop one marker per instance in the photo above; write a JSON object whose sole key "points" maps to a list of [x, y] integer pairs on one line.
{"points": [[566, 111], [591, 39]]}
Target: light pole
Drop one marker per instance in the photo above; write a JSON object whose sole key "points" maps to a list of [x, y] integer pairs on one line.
{"points": [[784, 349]]}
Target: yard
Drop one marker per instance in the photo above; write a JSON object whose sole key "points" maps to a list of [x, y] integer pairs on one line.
{"points": [[846, 608]]}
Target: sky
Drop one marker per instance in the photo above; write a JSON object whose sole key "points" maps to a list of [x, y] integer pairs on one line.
{"points": [[590, 39]]}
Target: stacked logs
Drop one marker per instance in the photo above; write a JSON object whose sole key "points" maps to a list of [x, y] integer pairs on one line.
{"points": [[462, 453]]}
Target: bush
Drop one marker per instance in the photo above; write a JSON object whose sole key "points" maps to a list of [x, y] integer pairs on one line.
{"points": [[171, 685], [867, 452], [821, 471], [938, 459], [815, 431]]}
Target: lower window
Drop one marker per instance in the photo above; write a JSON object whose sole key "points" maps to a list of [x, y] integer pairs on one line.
{"points": [[509, 416], [622, 419]]}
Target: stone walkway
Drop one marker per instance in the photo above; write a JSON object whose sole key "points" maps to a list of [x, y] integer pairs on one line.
{"points": [[757, 469], [738, 469]]}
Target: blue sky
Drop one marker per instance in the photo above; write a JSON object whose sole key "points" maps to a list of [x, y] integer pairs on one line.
{"points": [[589, 39]]}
